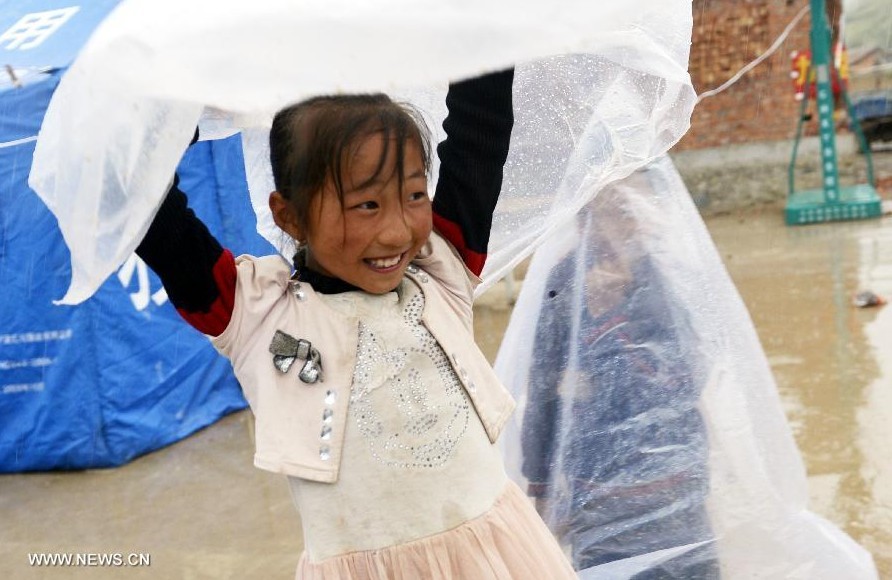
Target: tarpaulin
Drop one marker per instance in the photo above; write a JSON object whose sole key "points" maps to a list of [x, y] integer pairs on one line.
{"points": [[121, 374]]}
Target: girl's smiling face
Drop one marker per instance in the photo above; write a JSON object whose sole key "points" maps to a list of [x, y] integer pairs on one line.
{"points": [[384, 220]]}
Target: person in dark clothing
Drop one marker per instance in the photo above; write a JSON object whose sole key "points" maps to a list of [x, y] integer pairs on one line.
{"points": [[614, 447]]}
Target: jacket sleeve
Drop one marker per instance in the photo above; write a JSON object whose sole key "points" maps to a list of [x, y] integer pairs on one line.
{"points": [[197, 272], [478, 132]]}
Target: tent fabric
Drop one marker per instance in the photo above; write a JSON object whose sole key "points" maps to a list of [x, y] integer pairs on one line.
{"points": [[41, 35], [98, 384], [649, 427], [119, 375]]}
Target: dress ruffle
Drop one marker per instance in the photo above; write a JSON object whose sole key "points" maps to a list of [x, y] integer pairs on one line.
{"points": [[509, 541]]}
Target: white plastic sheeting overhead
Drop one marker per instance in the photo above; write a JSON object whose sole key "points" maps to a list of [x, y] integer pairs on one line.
{"points": [[125, 111]]}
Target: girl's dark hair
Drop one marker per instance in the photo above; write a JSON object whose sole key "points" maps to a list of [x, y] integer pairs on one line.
{"points": [[311, 141]]}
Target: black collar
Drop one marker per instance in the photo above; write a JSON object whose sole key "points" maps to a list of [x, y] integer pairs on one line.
{"points": [[320, 282], [324, 284]]}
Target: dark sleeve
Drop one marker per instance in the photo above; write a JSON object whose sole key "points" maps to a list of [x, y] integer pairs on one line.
{"points": [[478, 132], [197, 272], [540, 431]]}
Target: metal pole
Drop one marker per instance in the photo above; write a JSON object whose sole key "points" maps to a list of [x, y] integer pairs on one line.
{"points": [[821, 64]]}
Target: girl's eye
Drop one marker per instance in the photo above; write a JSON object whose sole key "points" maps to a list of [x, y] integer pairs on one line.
{"points": [[418, 195], [366, 205]]}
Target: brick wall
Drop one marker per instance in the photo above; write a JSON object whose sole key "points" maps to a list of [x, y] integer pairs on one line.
{"points": [[727, 35]]}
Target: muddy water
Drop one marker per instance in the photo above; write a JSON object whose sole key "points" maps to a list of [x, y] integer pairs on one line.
{"points": [[198, 509], [832, 361]]}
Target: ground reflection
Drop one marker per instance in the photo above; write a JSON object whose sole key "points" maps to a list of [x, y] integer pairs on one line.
{"points": [[829, 358]]}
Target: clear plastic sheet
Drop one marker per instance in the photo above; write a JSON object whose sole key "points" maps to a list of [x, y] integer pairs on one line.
{"points": [[648, 427], [124, 112]]}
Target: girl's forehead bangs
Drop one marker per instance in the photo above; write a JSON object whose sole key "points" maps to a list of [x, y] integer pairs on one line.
{"points": [[327, 135], [417, 130], [396, 131]]}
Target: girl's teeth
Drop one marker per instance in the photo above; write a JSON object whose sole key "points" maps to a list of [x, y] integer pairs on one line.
{"points": [[386, 262]]}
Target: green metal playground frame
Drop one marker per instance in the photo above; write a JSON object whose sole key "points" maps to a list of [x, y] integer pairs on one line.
{"points": [[831, 202]]}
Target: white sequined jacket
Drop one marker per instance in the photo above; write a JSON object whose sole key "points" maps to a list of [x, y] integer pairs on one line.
{"points": [[299, 427]]}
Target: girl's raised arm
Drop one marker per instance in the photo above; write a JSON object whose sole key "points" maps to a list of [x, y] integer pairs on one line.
{"points": [[197, 272], [478, 132]]}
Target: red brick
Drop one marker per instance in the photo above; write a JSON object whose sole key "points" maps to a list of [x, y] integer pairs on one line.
{"points": [[729, 34]]}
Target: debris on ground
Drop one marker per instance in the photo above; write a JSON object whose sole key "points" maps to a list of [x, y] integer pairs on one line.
{"points": [[867, 299]]}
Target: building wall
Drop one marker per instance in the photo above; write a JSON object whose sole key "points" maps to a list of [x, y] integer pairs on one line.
{"points": [[727, 35]]}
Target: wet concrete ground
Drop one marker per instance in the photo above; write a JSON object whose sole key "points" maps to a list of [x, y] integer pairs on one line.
{"points": [[832, 361], [200, 509]]}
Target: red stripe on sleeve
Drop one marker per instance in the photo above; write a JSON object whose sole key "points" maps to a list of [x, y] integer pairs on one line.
{"points": [[215, 320], [452, 232]]}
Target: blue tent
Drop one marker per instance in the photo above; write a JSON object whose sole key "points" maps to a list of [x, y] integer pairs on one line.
{"points": [[120, 375]]}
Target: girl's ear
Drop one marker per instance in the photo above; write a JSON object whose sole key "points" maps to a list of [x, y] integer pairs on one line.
{"points": [[285, 216]]}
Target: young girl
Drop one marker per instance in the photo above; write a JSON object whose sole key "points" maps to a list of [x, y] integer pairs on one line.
{"points": [[359, 363]]}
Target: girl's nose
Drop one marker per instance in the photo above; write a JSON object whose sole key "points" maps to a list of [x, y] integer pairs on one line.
{"points": [[395, 229]]}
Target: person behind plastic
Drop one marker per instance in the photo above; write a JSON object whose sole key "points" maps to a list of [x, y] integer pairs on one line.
{"points": [[614, 447]]}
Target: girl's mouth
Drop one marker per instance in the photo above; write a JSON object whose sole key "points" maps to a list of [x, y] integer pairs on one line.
{"points": [[385, 264]]}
